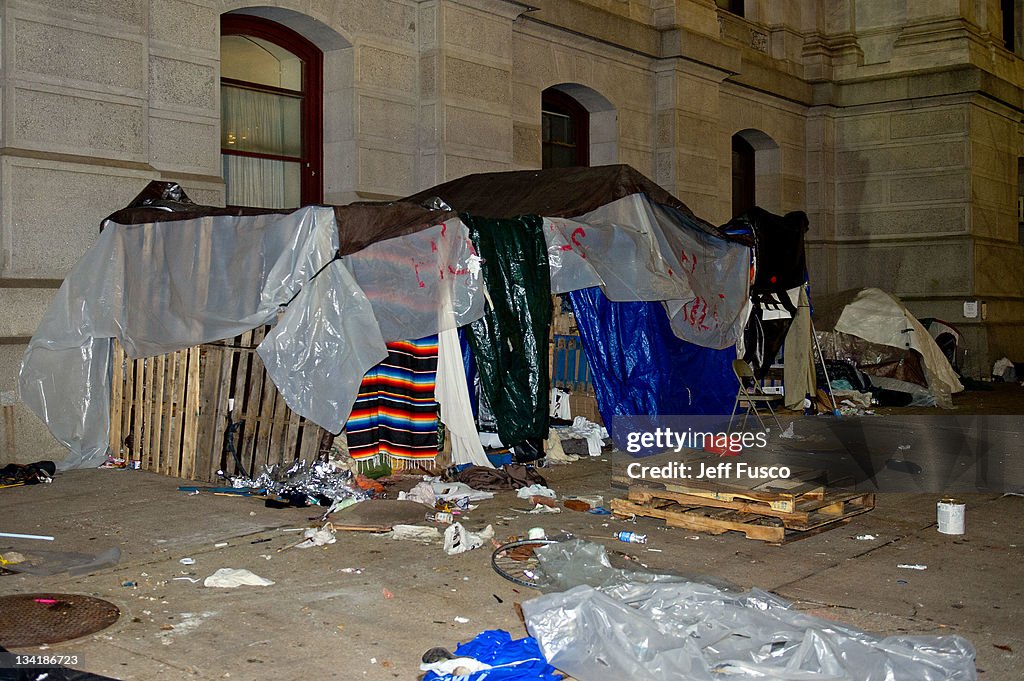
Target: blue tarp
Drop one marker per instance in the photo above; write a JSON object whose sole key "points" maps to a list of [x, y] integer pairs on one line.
{"points": [[640, 368], [519, 660]]}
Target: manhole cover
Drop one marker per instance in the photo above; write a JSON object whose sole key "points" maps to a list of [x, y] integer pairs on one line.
{"points": [[35, 619]]}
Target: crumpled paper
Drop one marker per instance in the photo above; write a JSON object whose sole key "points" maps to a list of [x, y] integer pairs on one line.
{"points": [[536, 490], [457, 539], [317, 537], [229, 578]]}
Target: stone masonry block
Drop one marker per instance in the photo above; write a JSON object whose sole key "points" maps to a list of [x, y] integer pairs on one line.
{"points": [[890, 222], [185, 24], [131, 12], [183, 84], [855, 130], [472, 30], [395, 121], [190, 146], [477, 81], [526, 145], [387, 69], [951, 153], [77, 55], [72, 124], [46, 238], [386, 172], [23, 308], [477, 128], [950, 187], [928, 123], [907, 269]]}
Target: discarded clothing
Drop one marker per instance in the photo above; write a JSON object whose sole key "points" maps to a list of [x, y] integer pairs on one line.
{"points": [[511, 476], [507, 660]]}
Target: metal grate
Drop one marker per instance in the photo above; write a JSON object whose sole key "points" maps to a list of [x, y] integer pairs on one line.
{"points": [[35, 619]]}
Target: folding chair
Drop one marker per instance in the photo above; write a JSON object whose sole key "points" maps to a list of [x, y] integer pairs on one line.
{"points": [[750, 394]]}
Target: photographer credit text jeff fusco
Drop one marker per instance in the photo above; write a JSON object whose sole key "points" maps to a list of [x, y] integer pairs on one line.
{"points": [[699, 470]]}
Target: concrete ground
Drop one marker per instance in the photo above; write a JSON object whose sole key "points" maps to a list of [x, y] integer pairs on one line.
{"points": [[318, 622]]}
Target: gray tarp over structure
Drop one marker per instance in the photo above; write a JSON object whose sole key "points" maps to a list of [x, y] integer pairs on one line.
{"points": [[344, 280], [881, 318]]}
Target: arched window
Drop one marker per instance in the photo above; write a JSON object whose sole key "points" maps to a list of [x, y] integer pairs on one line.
{"points": [[271, 114], [743, 176], [565, 131]]}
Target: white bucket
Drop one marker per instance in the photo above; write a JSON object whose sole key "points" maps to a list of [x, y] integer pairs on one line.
{"points": [[950, 515]]}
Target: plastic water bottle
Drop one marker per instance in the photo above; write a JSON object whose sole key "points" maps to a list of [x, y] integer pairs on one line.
{"points": [[808, 405], [441, 517], [631, 537]]}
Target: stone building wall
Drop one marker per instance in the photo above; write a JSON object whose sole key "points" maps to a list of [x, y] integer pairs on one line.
{"points": [[895, 125]]}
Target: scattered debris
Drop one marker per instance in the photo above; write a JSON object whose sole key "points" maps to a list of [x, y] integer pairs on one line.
{"points": [[412, 533], [914, 566], [229, 578], [457, 539], [187, 561], [317, 537], [461, 620], [866, 537], [15, 535]]}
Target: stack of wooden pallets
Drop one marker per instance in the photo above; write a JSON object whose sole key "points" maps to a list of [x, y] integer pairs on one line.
{"points": [[775, 511]]}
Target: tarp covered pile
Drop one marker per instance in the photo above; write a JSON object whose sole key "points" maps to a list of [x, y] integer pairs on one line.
{"points": [[339, 282]]}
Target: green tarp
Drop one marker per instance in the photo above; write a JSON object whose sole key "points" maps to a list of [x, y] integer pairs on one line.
{"points": [[510, 341]]}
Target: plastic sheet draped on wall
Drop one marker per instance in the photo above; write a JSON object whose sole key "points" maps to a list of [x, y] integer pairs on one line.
{"points": [[165, 286], [639, 367], [637, 250]]}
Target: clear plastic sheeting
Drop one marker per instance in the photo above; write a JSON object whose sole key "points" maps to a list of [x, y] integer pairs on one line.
{"points": [[422, 283], [159, 288], [319, 350], [651, 630], [640, 251]]}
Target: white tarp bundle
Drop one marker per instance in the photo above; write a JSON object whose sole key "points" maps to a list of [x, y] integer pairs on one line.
{"points": [[166, 286]]}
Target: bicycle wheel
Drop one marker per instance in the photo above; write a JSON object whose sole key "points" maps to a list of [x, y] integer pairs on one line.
{"points": [[517, 562]]}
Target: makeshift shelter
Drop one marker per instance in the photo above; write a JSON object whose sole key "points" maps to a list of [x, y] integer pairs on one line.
{"points": [[338, 283], [780, 313], [874, 331]]}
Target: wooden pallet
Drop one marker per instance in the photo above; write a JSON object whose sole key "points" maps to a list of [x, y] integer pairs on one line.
{"points": [[170, 412], [755, 518]]}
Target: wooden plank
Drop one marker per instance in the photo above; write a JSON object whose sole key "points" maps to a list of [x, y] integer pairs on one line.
{"points": [[116, 398], [641, 496], [240, 392], [291, 441], [229, 362], [126, 406], [253, 398], [210, 406], [168, 443], [157, 399], [698, 522], [310, 443], [261, 444], [277, 451], [188, 450], [137, 409], [178, 424]]}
